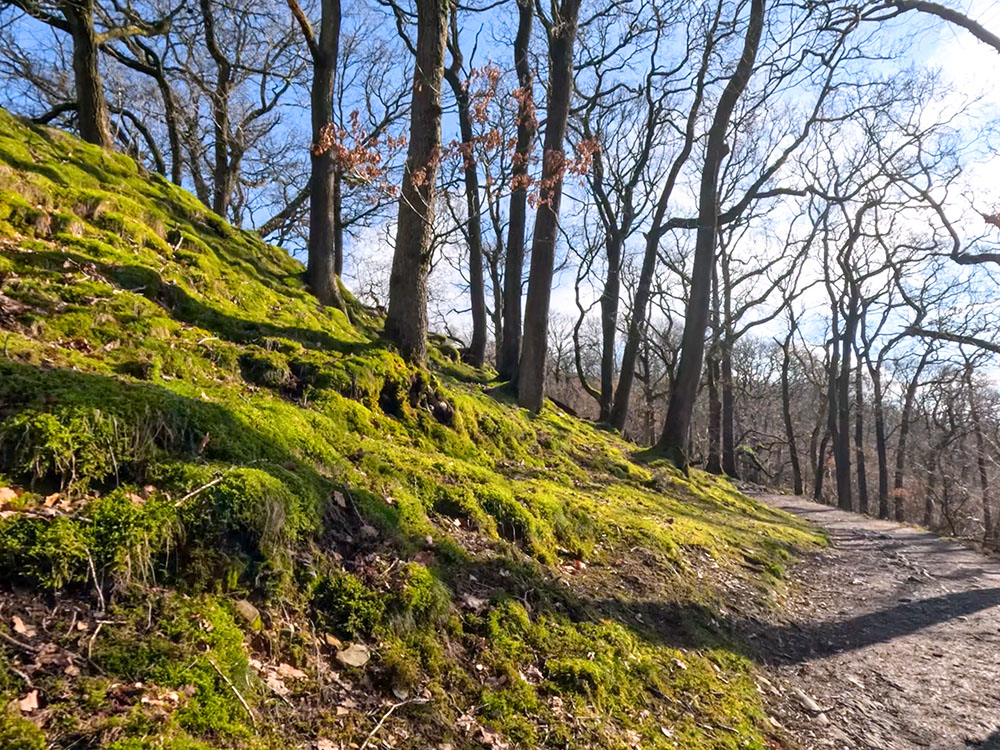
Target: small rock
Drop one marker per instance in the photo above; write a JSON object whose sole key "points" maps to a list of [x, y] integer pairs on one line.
{"points": [[355, 655], [369, 532], [248, 612]]}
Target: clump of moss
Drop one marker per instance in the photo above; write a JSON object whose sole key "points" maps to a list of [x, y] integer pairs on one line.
{"points": [[580, 675], [195, 646], [17, 733], [344, 605]]}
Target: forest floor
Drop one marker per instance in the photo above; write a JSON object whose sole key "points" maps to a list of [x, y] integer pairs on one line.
{"points": [[890, 639]]}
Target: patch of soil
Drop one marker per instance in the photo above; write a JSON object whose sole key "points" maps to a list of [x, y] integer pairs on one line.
{"points": [[887, 640]]}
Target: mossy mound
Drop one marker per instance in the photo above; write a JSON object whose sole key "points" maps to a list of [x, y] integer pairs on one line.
{"points": [[208, 481]]}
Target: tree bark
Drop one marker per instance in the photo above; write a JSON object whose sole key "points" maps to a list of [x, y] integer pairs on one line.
{"points": [[475, 355], [786, 412], [510, 345], [682, 397], [881, 446], [820, 468], [92, 108], [321, 269], [728, 412], [223, 171], [713, 464], [859, 439], [610, 299], [406, 320], [531, 371]]}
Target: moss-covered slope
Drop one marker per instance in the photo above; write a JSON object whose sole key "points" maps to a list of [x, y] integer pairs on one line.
{"points": [[232, 519]]}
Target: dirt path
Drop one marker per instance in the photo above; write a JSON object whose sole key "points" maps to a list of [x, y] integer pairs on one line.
{"points": [[893, 633]]}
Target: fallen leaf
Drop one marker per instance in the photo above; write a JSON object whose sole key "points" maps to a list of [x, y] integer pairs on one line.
{"points": [[7, 494], [29, 703], [287, 670], [21, 628]]}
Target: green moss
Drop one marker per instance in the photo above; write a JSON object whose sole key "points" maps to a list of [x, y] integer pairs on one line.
{"points": [[422, 596], [213, 430], [195, 642], [17, 733], [578, 675], [344, 605]]}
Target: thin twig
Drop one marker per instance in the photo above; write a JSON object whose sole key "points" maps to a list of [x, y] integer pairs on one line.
{"points": [[18, 644], [204, 487], [97, 584], [232, 687], [90, 643], [385, 716]]}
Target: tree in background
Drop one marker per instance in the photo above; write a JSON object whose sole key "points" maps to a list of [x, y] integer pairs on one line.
{"points": [[406, 318]]}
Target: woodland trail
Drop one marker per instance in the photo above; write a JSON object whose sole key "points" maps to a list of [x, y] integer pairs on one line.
{"points": [[890, 639]]}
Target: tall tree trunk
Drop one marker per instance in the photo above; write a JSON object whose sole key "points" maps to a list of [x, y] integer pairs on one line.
{"points": [[610, 299], [820, 468], [728, 411], [840, 454], [786, 413], [91, 106], [898, 492], [881, 445], [321, 270], [223, 176], [510, 345], [640, 302], [531, 371], [859, 439], [476, 353], [713, 464], [682, 397], [406, 320]]}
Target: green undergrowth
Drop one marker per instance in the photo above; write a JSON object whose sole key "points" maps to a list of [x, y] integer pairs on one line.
{"points": [[214, 477]]}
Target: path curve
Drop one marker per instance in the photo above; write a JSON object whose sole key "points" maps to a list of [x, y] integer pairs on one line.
{"points": [[889, 640]]}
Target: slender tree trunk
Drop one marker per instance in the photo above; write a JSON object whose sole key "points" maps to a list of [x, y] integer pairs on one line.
{"points": [[682, 397], [881, 446], [406, 320], [476, 353], [531, 371], [728, 412], [321, 270], [786, 413], [91, 106], [510, 345], [842, 436], [636, 332], [820, 468], [898, 492], [713, 464], [610, 299], [859, 439], [638, 323], [222, 168]]}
